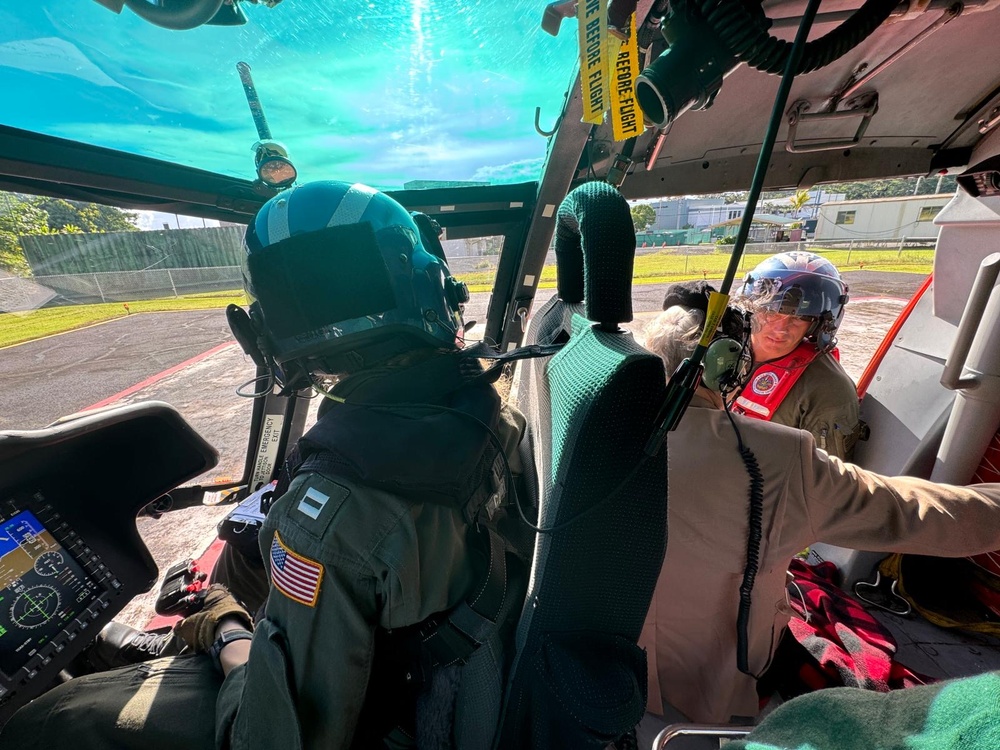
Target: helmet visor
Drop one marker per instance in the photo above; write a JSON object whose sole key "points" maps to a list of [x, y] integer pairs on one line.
{"points": [[299, 289], [796, 293]]}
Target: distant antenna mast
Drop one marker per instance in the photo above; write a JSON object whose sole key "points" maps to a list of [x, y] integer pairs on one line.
{"points": [[274, 168], [256, 110]]}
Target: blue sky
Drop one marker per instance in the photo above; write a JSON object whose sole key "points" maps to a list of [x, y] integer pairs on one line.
{"points": [[373, 92]]}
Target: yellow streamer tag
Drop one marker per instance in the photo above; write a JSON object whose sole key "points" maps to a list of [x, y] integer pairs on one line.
{"points": [[626, 117], [716, 307], [593, 15]]}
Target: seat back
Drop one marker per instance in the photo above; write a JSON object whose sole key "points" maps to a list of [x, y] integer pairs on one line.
{"points": [[578, 679], [552, 324]]}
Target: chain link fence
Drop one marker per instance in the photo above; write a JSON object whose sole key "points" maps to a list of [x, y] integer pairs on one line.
{"points": [[123, 286], [116, 286]]}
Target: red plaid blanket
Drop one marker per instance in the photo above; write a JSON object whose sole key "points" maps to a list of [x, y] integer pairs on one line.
{"points": [[841, 644]]}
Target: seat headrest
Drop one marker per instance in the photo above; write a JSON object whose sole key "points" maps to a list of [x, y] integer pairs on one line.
{"points": [[595, 252]]}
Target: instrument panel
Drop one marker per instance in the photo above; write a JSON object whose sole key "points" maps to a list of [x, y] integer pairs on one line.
{"points": [[49, 595], [70, 555]]}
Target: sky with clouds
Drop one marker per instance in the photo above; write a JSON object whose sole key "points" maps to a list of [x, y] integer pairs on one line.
{"points": [[361, 91]]}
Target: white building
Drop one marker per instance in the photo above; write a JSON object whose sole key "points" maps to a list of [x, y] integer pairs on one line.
{"points": [[701, 213], [880, 218]]}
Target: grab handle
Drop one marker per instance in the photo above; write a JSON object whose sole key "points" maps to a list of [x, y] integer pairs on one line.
{"points": [[982, 288]]}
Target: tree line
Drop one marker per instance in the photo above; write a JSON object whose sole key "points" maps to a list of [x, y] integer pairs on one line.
{"points": [[22, 215]]}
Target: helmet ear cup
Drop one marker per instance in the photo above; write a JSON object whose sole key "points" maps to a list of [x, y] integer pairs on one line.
{"points": [[246, 333], [456, 292], [430, 234], [722, 364]]}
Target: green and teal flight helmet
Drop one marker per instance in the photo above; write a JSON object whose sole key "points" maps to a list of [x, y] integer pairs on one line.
{"points": [[339, 278]]}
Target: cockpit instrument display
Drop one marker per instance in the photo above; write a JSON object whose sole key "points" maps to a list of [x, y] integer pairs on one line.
{"points": [[42, 589]]}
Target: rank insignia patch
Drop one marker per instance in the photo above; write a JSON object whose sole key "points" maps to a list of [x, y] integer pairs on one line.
{"points": [[313, 502]]}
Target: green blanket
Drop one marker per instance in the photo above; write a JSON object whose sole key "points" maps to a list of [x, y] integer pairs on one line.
{"points": [[960, 714]]}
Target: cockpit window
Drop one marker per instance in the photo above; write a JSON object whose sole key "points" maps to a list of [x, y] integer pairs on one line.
{"points": [[96, 312], [412, 94], [474, 261]]}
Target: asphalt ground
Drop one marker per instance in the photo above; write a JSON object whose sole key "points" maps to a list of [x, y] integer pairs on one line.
{"points": [[49, 378], [649, 297], [43, 380]]}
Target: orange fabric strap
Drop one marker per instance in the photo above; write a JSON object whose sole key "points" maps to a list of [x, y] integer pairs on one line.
{"points": [[772, 381]]}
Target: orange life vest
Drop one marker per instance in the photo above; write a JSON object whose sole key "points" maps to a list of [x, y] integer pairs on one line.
{"points": [[772, 381]]}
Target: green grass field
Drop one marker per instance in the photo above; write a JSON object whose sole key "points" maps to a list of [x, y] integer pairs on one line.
{"points": [[18, 327], [666, 266], [652, 268]]}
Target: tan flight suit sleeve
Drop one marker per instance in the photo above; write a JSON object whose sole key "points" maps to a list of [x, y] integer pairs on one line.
{"points": [[850, 507]]}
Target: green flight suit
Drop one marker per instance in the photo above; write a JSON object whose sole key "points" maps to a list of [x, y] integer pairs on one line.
{"points": [[382, 561], [386, 563]]}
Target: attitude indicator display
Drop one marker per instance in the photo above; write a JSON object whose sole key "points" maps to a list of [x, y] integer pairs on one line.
{"points": [[42, 589]]}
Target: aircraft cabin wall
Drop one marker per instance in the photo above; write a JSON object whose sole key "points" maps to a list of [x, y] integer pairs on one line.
{"points": [[919, 425]]}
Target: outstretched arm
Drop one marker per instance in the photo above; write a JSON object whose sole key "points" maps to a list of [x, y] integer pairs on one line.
{"points": [[851, 507]]}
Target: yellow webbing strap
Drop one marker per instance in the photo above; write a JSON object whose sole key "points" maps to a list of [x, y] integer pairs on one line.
{"points": [[892, 567]]}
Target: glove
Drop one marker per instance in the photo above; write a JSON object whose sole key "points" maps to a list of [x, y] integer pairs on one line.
{"points": [[688, 293], [198, 630]]}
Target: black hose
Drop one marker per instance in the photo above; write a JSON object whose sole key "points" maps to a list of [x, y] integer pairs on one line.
{"points": [[793, 61], [744, 33]]}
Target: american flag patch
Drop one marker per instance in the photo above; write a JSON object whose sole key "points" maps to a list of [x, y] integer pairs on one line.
{"points": [[295, 576]]}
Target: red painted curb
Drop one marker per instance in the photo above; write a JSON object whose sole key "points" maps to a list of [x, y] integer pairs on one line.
{"points": [[159, 376]]}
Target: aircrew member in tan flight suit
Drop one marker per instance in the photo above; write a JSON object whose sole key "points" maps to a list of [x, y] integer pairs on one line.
{"points": [[691, 634]]}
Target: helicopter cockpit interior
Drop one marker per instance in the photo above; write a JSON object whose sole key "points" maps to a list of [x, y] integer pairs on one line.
{"points": [[481, 116]]}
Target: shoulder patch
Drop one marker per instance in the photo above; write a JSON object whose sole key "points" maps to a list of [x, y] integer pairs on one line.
{"points": [[295, 576]]}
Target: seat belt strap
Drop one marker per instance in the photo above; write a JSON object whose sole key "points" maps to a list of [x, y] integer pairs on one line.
{"points": [[454, 639]]}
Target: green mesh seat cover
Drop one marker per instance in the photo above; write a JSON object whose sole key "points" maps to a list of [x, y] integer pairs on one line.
{"points": [[579, 680]]}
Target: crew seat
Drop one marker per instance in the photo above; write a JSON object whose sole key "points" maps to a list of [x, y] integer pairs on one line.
{"points": [[579, 679], [552, 324]]}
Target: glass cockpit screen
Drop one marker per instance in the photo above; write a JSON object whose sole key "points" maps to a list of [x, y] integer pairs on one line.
{"points": [[41, 589]]}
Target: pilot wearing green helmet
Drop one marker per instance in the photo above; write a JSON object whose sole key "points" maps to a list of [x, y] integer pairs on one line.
{"points": [[391, 591]]}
